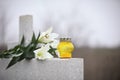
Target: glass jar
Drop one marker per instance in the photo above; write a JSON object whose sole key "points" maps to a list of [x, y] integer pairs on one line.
{"points": [[65, 48]]}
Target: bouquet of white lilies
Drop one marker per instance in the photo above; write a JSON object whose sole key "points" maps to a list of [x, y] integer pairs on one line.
{"points": [[48, 42], [42, 47]]}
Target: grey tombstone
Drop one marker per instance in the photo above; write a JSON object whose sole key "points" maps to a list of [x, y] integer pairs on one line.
{"points": [[52, 69], [25, 28]]}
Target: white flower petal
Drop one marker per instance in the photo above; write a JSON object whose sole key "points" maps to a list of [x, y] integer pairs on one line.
{"points": [[47, 37], [54, 44], [42, 53], [46, 48], [36, 51], [49, 30], [47, 55], [54, 35]]}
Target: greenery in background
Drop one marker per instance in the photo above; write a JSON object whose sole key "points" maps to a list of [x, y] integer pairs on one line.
{"points": [[23, 51]]}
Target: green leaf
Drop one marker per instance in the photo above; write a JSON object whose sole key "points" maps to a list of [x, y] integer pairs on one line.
{"points": [[33, 38], [30, 55], [22, 41], [29, 51], [21, 51], [21, 57], [7, 55], [1, 55], [38, 37], [52, 51], [12, 62]]}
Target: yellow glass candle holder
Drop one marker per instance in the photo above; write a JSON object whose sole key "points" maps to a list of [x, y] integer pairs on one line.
{"points": [[65, 48]]}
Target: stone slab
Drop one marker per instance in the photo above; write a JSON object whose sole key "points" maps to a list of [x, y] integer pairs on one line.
{"points": [[52, 69], [26, 27]]}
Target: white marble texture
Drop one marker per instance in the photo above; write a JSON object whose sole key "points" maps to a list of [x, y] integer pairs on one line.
{"points": [[54, 69]]}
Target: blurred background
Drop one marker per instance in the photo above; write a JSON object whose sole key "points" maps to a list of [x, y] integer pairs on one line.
{"points": [[93, 25]]}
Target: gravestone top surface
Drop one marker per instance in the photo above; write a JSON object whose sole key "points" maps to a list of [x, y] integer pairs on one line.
{"points": [[51, 69]]}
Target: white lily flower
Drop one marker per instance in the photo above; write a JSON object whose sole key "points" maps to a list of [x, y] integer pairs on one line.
{"points": [[47, 36], [43, 53]]}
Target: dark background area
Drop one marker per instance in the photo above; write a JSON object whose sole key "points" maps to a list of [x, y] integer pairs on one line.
{"points": [[100, 63]]}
